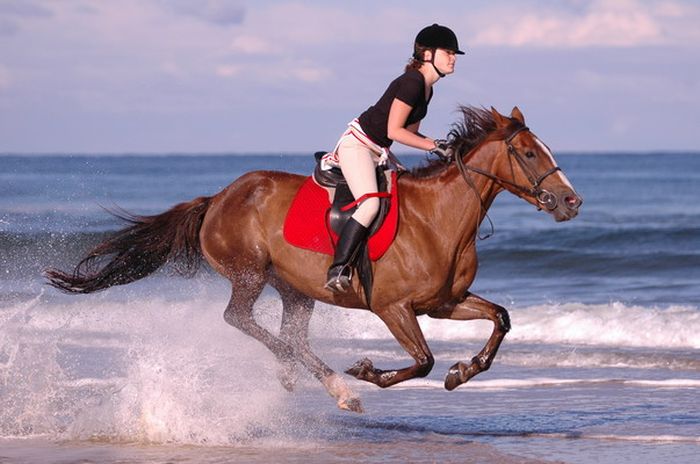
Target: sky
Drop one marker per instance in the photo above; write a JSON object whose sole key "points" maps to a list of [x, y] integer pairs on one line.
{"points": [[265, 76]]}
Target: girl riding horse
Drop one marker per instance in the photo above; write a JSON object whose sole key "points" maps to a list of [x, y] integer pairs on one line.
{"points": [[396, 117]]}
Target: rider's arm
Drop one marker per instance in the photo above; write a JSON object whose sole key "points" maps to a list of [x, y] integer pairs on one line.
{"points": [[415, 127], [398, 113]]}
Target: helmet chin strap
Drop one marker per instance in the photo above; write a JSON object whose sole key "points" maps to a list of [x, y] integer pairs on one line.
{"points": [[437, 70], [432, 61]]}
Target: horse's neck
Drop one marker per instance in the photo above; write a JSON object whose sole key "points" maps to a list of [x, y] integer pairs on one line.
{"points": [[460, 207], [488, 159]]}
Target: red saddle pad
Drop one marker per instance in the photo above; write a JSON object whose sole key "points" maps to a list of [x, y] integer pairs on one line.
{"points": [[305, 225]]}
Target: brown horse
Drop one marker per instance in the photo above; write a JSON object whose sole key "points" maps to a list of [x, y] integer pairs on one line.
{"points": [[427, 270]]}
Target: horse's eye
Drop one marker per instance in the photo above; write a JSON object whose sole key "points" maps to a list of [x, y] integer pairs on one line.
{"points": [[530, 154]]}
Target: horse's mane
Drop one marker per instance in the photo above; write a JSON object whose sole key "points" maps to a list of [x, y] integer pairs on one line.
{"points": [[476, 126]]}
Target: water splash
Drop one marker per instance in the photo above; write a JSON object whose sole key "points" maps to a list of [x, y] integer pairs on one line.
{"points": [[154, 371]]}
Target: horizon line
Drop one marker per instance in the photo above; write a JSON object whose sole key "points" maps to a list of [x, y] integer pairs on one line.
{"points": [[301, 153]]}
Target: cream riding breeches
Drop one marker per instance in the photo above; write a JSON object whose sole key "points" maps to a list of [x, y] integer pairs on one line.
{"points": [[359, 164]]}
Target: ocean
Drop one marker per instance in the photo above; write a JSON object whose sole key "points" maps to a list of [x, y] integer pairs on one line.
{"points": [[602, 364]]}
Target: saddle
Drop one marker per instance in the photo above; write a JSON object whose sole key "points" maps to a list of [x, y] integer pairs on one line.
{"points": [[343, 204], [324, 203]]}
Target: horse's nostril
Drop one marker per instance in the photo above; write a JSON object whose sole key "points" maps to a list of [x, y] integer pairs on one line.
{"points": [[572, 201]]}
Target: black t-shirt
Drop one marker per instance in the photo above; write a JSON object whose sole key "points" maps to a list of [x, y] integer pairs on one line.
{"points": [[410, 89]]}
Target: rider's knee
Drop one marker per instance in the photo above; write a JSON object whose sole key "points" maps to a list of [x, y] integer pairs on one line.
{"points": [[371, 205], [367, 211]]}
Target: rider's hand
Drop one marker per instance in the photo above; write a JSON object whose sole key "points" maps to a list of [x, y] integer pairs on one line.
{"points": [[443, 150]]}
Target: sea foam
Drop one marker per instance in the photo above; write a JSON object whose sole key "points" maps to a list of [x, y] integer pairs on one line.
{"points": [[613, 324]]}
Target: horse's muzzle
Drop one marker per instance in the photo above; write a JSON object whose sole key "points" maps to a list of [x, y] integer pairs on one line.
{"points": [[562, 210]]}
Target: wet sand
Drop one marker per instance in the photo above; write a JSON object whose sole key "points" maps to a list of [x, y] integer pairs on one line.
{"points": [[437, 450]]}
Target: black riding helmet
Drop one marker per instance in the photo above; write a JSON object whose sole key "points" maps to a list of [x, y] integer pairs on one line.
{"points": [[437, 36]]}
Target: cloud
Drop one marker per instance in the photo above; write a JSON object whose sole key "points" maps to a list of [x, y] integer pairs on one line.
{"points": [[24, 9], [251, 45], [311, 73], [654, 86], [168, 58], [275, 73], [220, 12], [228, 70], [620, 23], [298, 27], [13, 11]]}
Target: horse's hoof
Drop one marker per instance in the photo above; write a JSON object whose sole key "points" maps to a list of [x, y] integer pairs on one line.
{"points": [[361, 369], [455, 376], [351, 404]]}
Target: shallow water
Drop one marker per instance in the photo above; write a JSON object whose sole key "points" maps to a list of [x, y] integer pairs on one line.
{"points": [[148, 378]]}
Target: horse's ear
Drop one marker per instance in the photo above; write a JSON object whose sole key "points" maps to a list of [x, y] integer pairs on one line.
{"points": [[500, 120], [517, 115]]}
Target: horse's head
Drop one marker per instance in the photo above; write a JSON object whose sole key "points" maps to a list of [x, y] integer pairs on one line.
{"points": [[528, 169]]}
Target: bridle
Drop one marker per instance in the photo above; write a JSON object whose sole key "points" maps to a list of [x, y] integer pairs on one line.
{"points": [[544, 197]]}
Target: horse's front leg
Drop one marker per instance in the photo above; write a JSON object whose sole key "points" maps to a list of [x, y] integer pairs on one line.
{"points": [[401, 321], [470, 308]]}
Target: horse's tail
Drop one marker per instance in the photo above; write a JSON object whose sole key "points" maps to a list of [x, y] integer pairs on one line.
{"points": [[139, 250]]}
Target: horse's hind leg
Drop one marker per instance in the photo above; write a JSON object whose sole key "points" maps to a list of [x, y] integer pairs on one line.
{"points": [[239, 313], [290, 347], [470, 308], [296, 315]]}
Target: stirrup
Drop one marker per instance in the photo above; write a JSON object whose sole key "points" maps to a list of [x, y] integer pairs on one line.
{"points": [[339, 278]]}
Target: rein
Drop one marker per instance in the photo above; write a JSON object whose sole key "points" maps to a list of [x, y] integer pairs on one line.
{"points": [[467, 178], [544, 197]]}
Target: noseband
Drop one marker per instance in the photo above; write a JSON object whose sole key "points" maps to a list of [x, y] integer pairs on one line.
{"points": [[545, 198]]}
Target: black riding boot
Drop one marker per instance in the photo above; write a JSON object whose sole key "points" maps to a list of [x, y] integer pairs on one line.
{"points": [[340, 272]]}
